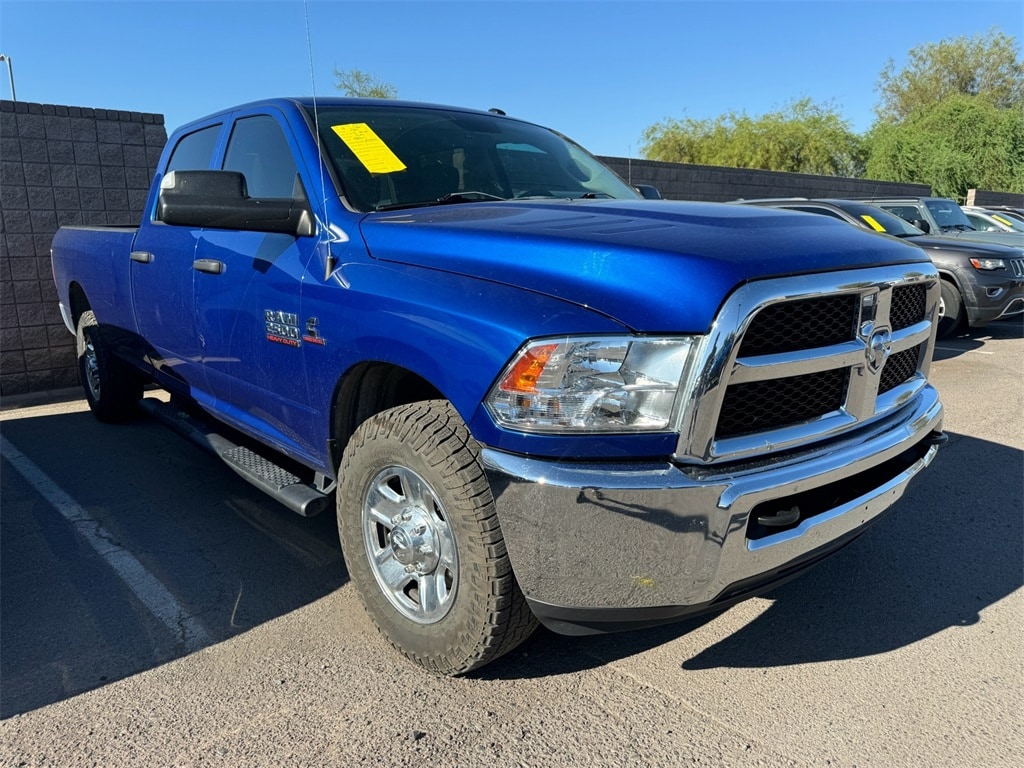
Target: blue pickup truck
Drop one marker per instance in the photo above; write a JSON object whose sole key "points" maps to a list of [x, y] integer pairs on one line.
{"points": [[530, 394]]}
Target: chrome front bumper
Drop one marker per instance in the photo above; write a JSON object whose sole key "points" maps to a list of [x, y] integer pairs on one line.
{"points": [[601, 547]]}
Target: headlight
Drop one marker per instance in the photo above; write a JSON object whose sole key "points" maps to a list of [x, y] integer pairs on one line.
{"points": [[988, 264], [607, 384]]}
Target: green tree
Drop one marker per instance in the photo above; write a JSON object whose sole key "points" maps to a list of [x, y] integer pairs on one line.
{"points": [[984, 65], [955, 144], [355, 82], [952, 117], [803, 137]]}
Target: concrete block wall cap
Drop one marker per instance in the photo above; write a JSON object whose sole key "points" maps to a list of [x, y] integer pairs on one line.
{"points": [[33, 108]]}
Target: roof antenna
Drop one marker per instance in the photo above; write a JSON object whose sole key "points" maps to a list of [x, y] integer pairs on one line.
{"points": [[496, 111], [330, 260]]}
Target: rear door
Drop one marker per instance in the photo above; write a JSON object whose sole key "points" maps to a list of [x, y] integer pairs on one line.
{"points": [[162, 276]]}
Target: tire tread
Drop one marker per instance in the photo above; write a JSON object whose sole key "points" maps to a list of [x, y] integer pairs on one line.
{"points": [[434, 430]]}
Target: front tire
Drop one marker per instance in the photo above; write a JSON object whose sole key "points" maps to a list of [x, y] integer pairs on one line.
{"points": [[422, 542], [112, 388], [951, 311]]}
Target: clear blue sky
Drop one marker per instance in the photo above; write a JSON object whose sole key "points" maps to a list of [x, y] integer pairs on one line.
{"points": [[599, 71]]}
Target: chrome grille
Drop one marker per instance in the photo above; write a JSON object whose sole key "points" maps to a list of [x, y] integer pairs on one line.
{"points": [[796, 360], [899, 369], [908, 305], [1017, 265], [801, 324], [764, 405]]}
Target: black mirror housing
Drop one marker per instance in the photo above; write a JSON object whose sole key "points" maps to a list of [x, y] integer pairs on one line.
{"points": [[220, 200]]}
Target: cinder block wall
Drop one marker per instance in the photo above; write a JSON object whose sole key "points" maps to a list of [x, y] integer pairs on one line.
{"points": [[987, 197], [679, 181], [59, 165]]}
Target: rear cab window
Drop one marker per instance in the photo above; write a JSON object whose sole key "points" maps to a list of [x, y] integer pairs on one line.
{"points": [[194, 151]]}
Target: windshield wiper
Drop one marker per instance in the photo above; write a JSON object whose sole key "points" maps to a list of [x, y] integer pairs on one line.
{"points": [[470, 196]]}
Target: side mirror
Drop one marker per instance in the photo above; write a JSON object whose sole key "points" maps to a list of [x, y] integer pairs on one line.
{"points": [[923, 225], [647, 192], [219, 199]]}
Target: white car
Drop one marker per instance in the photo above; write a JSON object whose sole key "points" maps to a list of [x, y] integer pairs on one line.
{"points": [[985, 220]]}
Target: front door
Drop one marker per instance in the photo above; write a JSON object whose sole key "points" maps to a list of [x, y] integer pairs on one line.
{"points": [[248, 300]]}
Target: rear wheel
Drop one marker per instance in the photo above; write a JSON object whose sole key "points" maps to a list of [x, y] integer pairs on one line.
{"points": [[112, 387], [951, 311], [422, 542]]}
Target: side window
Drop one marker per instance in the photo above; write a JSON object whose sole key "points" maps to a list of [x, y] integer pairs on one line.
{"points": [[194, 150], [905, 212], [258, 149]]}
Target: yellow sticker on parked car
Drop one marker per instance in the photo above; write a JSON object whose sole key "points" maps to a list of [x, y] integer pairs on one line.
{"points": [[369, 148], [872, 223], [1001, 220]]}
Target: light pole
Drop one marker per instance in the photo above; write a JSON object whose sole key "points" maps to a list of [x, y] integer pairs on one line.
{"points": [[10, 73]]}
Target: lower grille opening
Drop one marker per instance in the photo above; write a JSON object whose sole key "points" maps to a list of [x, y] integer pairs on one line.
{"points": [[815, 502]]}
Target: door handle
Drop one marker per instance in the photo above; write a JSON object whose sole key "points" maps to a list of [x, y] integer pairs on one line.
{"points": [[211, 266], [143, 257]]}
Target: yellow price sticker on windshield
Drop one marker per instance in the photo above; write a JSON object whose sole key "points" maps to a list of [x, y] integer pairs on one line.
{"points": [[872, 223], [1001, 220], [369, 148]]}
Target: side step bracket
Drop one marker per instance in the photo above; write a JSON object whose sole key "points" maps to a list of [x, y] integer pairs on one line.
{"points": [[271, 478]]}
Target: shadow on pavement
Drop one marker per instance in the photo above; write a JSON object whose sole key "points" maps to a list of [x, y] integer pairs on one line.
{"points": [[229, 557]]}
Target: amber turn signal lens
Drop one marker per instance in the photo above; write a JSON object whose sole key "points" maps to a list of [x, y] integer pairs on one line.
{"points": [[524, 374]]}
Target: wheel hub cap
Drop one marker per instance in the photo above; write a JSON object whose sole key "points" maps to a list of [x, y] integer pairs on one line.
{"points": [[410, 545], [92, 370], [413, 542]]}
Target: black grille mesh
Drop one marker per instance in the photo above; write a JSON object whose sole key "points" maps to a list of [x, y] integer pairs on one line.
{"points": [[763, 405], [899, 368], [795, 325], [908, 305]]}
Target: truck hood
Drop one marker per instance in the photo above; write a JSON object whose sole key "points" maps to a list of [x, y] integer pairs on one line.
{"points": [[654, 266]]}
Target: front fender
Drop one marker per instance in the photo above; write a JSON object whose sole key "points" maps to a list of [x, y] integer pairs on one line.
{"points": [[455, 332]]}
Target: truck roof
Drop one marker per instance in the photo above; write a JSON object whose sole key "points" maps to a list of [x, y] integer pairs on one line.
{"points": [[309, 102]]}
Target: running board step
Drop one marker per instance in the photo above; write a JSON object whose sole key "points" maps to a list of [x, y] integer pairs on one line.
{"points": [[271, 478]]}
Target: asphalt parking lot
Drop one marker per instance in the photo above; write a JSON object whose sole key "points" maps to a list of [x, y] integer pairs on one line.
{"points": [[157, 610]]}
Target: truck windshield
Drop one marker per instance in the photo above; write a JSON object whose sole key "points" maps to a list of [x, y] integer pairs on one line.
{"points": [[948, 215], [393, 156]]}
